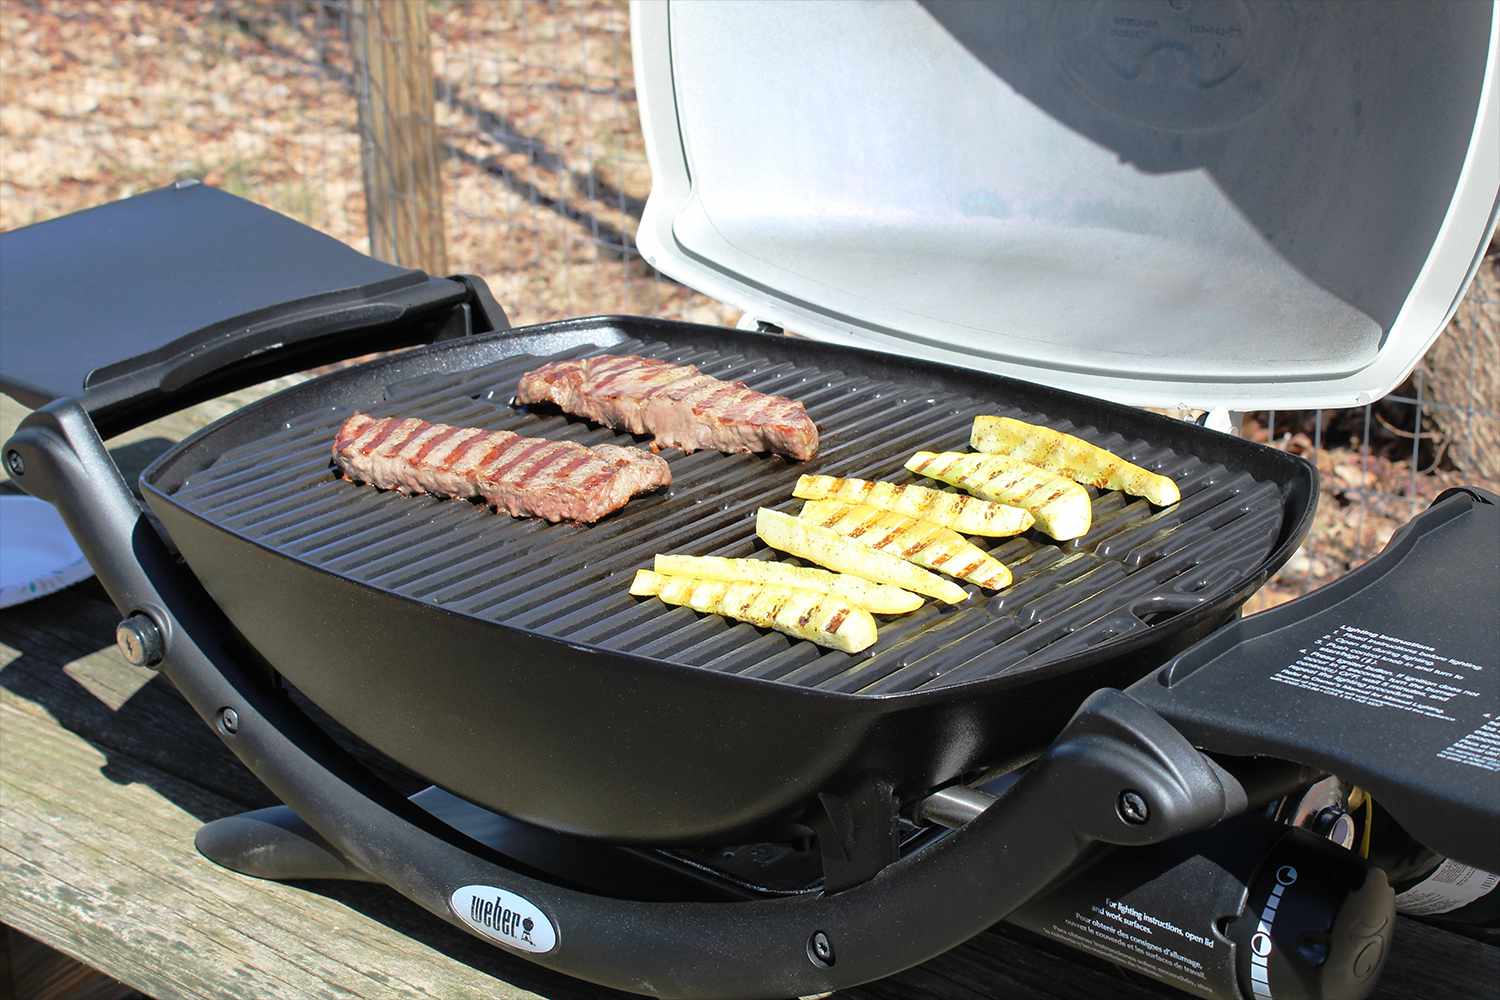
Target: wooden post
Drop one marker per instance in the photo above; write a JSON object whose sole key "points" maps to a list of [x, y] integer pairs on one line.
{"points": [[398, 136]]}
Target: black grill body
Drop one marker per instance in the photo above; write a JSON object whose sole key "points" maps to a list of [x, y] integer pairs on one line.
{"points": [[504, 660]]}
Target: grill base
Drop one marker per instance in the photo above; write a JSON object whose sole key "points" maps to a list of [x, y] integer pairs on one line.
{"points": [[504, 660]]}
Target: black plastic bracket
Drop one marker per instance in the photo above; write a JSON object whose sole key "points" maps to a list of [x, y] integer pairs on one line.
{"points": [[792, 946], [1387, 677], [858, 833], [273, 843], [487, 316]]}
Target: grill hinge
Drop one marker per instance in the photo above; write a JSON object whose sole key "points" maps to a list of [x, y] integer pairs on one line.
{"points": [[858, 833]]}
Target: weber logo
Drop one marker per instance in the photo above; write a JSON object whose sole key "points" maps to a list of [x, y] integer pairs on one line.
{"points": [[505, 917], [1261, 943]]}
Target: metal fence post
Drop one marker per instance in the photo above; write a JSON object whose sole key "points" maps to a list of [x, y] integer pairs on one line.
{"points": [[398, 137]]}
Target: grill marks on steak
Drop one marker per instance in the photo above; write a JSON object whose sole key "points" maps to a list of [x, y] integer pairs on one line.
{"points": [[526, 477], [680, 405]]}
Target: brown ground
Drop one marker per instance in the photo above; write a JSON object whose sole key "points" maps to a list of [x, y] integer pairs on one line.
{"points": [[1365, 496], [544, 172], [544, 178]]}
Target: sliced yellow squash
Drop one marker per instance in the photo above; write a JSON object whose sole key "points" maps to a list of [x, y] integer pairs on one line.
{"points": [[1070, 456], [805, 614], [921, 542], [958, 511], [878, 598], [827, 547], [1060, 506]]}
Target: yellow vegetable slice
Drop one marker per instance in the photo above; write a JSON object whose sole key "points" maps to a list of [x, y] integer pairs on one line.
{"points": [[827, 547], [805, 614], [1070, 456], [877, 598], [921, 542], [958, 511], [1060, 506]]}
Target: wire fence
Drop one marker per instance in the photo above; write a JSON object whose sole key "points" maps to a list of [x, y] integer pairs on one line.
{"points": [[1382, 463], [534, 170]]}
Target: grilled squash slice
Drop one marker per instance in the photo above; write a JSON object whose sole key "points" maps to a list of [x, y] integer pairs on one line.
{"points": [[958, 511], [877, 598], [827, 547], [1060, 506], [921, 542], [820, 618], [1070, 456]]}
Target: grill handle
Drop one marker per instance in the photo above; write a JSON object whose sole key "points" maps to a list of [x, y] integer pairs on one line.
{"points": [[152, 303], [292, 340], [1117, 774]]}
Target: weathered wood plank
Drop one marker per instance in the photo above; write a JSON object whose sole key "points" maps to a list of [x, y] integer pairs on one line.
{"points": [[64, 668], [30, 969], [105, 871]]}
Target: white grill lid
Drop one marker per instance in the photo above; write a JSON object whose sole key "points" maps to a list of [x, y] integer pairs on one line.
{"points": [[1224, 204]]}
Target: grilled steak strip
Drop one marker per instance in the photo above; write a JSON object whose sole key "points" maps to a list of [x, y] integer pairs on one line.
{"points": [[526, 477], [678, 404]]}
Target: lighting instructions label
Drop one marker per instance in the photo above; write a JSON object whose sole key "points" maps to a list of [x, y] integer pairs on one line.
{"points": [[1400, 675], [1128, 936], [1451, 886], [1480, 749]]}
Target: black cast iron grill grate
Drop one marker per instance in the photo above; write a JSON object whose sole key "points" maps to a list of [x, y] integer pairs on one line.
{"points": [[1138, 565]]}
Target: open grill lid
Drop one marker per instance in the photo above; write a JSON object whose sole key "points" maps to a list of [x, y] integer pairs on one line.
{"points": [[1217, 204]]}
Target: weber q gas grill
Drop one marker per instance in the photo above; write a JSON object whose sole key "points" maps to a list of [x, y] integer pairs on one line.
{"points": [[680, 805]]}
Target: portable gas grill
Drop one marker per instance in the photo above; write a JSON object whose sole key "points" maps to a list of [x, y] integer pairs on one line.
{"points": [[680, 805]]}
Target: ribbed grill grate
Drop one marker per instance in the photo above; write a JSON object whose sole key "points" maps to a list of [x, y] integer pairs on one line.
{"points": [[1137, 565]]}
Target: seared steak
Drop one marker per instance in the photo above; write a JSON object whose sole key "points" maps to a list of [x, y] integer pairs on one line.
{"points": [[680, 405], [557, 480]]}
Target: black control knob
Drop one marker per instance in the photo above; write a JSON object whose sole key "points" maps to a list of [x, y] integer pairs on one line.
{"points": [[1248, 910], [140, 640]]}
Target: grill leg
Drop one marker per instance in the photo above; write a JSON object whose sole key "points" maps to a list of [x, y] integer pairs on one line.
{"points": [[273, 843]]}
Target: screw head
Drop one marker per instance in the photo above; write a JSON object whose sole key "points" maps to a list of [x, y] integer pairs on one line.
{"points": [[229, 721], [1132, 808], [140, 641], [14, 463], [820, 949]]}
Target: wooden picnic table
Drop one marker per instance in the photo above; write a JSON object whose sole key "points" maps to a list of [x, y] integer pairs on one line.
{"points": [[106, 774]]}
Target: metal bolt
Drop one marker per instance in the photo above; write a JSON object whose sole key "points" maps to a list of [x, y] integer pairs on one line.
{"points": [[14, 464], [229, 721], [820, 948], [1341, 831], [140, 641], [1133, 808]]}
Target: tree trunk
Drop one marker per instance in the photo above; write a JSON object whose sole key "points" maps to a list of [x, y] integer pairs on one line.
{"points": [[1462, 372]]}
